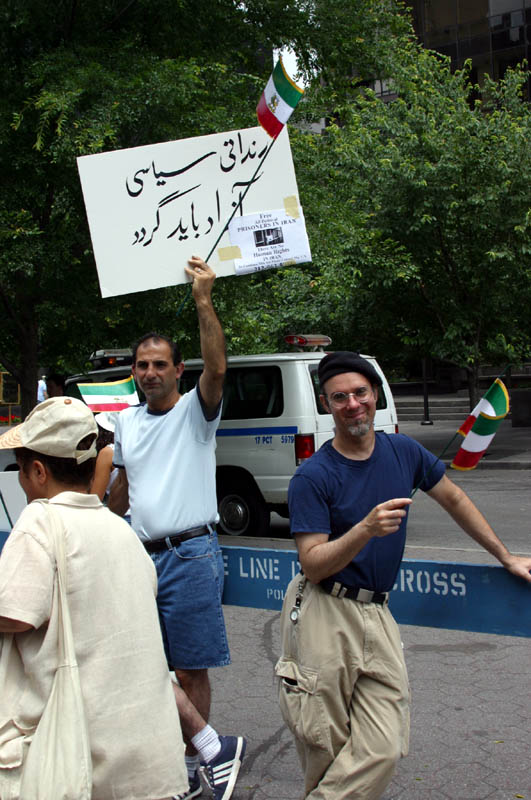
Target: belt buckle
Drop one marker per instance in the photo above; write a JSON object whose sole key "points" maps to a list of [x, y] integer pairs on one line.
{"points": [[365, 595]]}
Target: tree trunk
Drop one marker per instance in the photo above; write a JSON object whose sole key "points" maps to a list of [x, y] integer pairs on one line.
{"points": [[20, 351], [473, 384], [25, 368], [29, 372]]}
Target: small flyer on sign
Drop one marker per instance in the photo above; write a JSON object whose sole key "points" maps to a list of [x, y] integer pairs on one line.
{"points": [[269, 239]]}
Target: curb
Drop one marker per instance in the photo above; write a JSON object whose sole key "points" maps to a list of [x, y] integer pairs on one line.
{"points": [[493, 465]]}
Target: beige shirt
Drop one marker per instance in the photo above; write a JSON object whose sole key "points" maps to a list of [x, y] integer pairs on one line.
{"points": [[136, 742]]}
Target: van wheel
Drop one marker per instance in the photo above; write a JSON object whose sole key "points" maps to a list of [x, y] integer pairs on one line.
{"points": [[242, 512]]}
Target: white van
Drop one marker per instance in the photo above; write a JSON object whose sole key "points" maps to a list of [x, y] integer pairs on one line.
{"points": [[271, 421]]}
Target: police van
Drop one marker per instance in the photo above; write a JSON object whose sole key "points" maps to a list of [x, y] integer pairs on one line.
{"points": [[272, 420]]}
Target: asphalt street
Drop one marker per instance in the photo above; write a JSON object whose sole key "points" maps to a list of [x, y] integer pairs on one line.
{"points": [[503, 496], [470, 727], [500, 487]]}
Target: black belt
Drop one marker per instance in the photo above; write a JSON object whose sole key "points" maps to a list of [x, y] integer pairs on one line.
{"points": [[174, 541], [338, 589]]}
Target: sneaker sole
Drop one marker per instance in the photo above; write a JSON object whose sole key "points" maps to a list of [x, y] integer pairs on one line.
{"points": [[191, 795], [238, 758]]}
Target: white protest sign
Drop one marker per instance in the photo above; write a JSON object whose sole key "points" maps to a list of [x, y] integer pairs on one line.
{"points": [[270, 239], [150, 208]]}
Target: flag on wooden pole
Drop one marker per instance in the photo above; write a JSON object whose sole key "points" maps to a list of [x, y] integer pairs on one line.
{"points": [[111, 396], [278, 101], [481, 425]]}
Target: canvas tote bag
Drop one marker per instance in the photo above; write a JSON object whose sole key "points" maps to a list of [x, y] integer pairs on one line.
{"points": [[58, 764]]}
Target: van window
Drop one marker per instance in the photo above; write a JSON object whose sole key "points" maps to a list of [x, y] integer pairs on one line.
{"points": [[249, 392], [382, 399]]}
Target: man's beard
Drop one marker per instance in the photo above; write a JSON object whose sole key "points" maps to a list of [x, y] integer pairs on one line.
{"points": [[359, 429]]}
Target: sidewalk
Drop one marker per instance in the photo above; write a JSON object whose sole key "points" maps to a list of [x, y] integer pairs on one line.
{"points": [[470, 726], [510, 448]]}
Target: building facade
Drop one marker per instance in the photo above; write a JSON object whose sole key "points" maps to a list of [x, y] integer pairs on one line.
{"points": [[493, 34]]}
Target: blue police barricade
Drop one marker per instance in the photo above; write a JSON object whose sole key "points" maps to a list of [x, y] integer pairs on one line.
{"points": [[435, 594], [470, 597]]}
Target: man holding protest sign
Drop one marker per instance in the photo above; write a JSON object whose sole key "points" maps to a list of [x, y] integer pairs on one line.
{"points": [[165, 450], [343, 685]]}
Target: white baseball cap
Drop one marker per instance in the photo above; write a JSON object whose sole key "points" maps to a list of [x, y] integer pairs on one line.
{"points": [[107, 420], [54, 428]]}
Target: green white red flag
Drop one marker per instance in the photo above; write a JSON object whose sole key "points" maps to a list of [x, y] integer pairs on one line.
{"points": [[278, 100], [111, 396], [481, 425]]}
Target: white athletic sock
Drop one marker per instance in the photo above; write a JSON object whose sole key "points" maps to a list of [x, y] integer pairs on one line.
{"points": [[192, 764], [207, 743]]}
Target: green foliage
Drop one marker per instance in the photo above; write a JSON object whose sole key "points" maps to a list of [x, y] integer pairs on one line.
{"points": [[80, 78], [435, 187], [417, 210]]}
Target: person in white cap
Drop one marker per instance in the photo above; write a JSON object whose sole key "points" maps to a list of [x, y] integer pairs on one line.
{"points": [[111, 589]]}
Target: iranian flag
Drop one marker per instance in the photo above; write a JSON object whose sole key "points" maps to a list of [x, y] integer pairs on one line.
{"points": [[481, 425], [278, 100], [111, 396]]}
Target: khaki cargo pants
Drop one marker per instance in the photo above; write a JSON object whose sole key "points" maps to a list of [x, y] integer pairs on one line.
{"points": [[344, 693]]}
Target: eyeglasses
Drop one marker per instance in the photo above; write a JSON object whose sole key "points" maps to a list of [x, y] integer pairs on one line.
{"points": [[340, 399]]}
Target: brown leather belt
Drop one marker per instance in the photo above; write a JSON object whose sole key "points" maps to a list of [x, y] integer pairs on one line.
{"points": [[174, 541]]}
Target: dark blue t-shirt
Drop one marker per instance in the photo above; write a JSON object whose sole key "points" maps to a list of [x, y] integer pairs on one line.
{"points": [[330, 493]]}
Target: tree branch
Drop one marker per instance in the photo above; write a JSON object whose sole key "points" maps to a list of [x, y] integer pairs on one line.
{"points": [[120, 14]]}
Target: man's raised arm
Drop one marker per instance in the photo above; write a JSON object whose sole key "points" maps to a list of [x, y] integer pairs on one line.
{"points": [[210, 332]]}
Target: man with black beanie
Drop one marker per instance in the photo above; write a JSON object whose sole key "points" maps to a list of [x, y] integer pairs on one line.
{"points": [[343, 685]]}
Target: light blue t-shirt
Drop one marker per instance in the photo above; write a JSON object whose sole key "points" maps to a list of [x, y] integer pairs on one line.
{"points": [[170, 459]]}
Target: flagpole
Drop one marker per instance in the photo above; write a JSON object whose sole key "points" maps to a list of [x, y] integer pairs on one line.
{"points": [[439, 458], [239, 204], [226, 225]]}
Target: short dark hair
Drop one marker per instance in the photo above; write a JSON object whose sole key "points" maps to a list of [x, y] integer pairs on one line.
{"points": [[63, 470], [105, 438], [159, 337], [59, 380]]}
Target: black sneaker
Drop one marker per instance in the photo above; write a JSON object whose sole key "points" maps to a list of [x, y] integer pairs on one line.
{"points": [[221, 773], [194, 788]]}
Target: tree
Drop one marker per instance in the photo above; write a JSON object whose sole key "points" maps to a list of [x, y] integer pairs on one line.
{"points": [[82, 78], [426, 201]]}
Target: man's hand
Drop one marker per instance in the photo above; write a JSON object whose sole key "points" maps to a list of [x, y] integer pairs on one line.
{"points": [[519, 566], [202, 277], [385, 518], [321, 557]]}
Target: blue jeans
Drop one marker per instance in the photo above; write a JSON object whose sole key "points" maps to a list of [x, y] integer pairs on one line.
{"points": [[190, 585]]}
